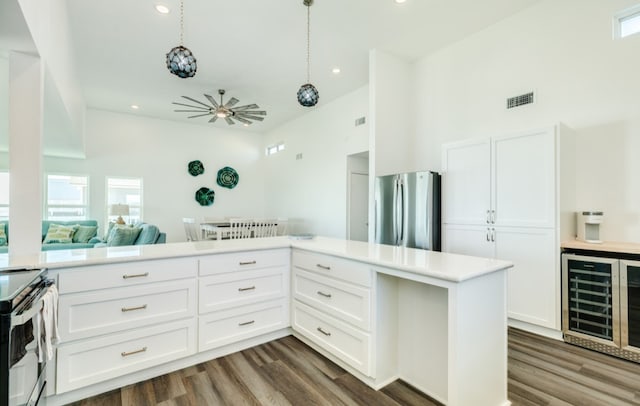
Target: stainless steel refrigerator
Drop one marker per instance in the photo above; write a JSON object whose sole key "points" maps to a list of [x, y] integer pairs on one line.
{"points": [[407, 210]]}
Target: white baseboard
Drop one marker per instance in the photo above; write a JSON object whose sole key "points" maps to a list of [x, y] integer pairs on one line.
{"points": [[532, 328]]}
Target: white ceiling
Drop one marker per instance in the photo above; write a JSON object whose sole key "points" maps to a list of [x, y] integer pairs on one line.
{"points": [[256, 49]]}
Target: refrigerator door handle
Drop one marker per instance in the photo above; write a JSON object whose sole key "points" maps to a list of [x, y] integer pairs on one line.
{"points": [[395, 211], [402, 200]]}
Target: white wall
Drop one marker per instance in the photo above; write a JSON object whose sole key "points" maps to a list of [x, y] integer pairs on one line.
{"points": [[564, 51], [313, 189], [159, 151], [390, 111]]}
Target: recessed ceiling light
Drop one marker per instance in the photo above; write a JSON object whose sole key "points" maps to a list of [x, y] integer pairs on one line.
{"points": [[399, 1], [335, 70], [162, 9], [135, 106]]}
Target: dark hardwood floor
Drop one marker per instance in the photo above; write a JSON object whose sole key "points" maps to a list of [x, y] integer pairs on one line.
{"points": [[287, 372]]}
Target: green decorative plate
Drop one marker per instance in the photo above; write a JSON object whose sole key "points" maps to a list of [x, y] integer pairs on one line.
{"points": [[228, 177], [196, 168], [205, 196]]}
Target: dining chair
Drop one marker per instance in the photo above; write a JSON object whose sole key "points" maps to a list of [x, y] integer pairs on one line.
{"points": [[191, 229], [240, 228], [265, 228]]}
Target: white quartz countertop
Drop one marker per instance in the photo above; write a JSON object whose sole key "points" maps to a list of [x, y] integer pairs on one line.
{"points": [[451, 267]]}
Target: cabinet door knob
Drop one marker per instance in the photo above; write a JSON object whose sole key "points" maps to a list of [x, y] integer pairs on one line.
{"points": [[130, 309], [140, 275], [126, 354], [324, 332]]}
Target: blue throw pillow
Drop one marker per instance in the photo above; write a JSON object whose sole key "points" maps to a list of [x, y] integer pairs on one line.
{"points": [[122, 235]]}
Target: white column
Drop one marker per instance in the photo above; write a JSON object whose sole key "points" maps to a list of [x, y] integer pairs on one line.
{"points": [[25, 153]]}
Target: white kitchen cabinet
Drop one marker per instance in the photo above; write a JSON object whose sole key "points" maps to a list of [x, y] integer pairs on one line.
{"points": [[524, 179], [467, 182], [332, 306], [242, 295], [512, 197]]}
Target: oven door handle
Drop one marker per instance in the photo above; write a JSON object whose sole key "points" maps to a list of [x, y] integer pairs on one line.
{"points": [[25, 316]]}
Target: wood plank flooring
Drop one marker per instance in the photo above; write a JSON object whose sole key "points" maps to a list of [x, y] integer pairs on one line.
{"points": [[287, 372]]}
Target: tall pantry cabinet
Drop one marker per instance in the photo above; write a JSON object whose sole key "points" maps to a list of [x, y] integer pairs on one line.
{"points": [[512, 197]]}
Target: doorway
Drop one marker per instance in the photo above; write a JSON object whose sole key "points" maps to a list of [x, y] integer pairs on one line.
{"points": [[358, 197]]}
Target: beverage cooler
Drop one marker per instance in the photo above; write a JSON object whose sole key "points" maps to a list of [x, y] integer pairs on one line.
{"points": [[601, 304]]}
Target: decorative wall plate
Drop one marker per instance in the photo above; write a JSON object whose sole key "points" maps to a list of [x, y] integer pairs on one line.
{"points": [[205, 196], [196, 168], [228, 177]]}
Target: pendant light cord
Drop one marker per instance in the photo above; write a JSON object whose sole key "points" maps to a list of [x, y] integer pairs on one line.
{"points": [[308, 43], [181, 22]]}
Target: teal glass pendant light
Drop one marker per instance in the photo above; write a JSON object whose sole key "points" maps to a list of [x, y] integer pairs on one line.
{"points": [[308, 94], [180, 60]]}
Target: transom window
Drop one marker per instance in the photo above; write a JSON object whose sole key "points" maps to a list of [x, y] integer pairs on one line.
{"points": [[275, 148], [627, 22], [67, 197]]}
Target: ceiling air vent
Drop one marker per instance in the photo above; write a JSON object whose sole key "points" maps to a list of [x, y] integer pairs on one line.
{"points": [[521, 100]]}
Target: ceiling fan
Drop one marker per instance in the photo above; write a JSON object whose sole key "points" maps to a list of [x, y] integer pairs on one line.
{"points": [[243, 114]]}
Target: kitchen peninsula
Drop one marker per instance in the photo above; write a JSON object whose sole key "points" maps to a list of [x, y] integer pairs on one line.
{"points": [[438, 321]]}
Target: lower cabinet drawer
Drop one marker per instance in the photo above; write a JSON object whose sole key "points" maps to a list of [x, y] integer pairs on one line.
{"points": [[229, 326], [228, 290], [342, 340], [95, 360], [89, 314], [343, 300]]}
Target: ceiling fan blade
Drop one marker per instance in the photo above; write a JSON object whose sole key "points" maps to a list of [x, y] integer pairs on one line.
{"points": [[212, 101], [252, 117], [190, 111], [232, 102], [213, 119], [247, 107], [196, 101], [193, 107], [199, 115], [242, 120], [229, 121], [255, 113]]}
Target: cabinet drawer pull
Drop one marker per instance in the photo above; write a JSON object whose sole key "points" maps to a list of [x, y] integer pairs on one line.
{"points": [[488, 238], [246, 323], [130, 309], [245, 289], [140, 275], [488, 216], [493, 217], [493, 234], [248, 263], [326, 268], [321, 293], [323, 332], [126, 354]]}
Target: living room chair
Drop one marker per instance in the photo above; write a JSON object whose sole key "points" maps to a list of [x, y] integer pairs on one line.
{"points": [[191, 229]]}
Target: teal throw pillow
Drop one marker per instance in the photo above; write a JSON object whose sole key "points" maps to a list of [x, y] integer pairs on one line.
{"points": [[59, 234], [3, 234], [122, 235], [84, 233]]}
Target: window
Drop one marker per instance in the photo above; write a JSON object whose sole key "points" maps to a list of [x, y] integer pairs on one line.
{"points": [[125, 191], [4, 196], [627, 22], [67, 197], [272, 149]]}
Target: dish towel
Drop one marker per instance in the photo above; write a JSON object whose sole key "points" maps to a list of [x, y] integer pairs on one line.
{"points": [[46, 321]]}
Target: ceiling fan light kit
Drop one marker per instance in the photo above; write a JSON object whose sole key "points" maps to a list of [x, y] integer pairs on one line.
{"points": [[308, 94], [180, 60], [226, 111]]}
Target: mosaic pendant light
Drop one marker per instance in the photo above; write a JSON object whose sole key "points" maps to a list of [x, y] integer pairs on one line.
{"points": [[308, 94], [180, 60]]}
